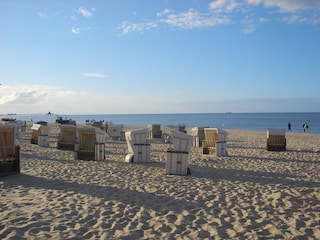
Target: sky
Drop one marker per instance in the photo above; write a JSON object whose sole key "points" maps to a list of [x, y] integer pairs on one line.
{"points": [[160, 56]]}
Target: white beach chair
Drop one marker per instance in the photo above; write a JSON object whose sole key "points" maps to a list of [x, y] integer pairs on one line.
{"points": [[177, 156], [138, 146], [40, 135], [115, 131]]}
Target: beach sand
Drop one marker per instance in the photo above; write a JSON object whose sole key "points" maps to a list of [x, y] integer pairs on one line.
{"points": [[250, 194]]}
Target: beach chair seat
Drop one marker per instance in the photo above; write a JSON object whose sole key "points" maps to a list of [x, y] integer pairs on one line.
{"points": [[198, 135], [67, 137], [138, 146], [177, 155], [9, 151], [154, 131], [209, 143], [215, 142], [182, 128], [276, 139], [115, 131], [166, 134], [40, 134], [90, 145]]}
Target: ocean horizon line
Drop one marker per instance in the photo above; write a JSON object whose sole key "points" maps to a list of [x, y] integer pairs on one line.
{"points": [[96, 114]]}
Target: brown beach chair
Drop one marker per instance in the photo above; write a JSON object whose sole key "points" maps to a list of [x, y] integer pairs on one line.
{"points": [[215, 142], [276, 139], [10, 153], [154, 131], [198, 135], [90, 144], [67, 137], [182, 128], [209, 143], [39, 130]]}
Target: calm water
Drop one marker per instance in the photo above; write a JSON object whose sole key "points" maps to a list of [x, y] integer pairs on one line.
{"points": [[247, 121]]}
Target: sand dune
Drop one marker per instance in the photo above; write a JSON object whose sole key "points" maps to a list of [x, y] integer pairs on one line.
{"points": [[250, 194]]}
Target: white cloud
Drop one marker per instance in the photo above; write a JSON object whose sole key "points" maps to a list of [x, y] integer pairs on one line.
{"points": [[228, 5], [186, 20], [127, 27], [42, 15], [94, 75], [75, 30], [232, 11], [24, 94], [289, 5], [249, 29], [194, 19], [164, 12], [84, 12], [41, 99]]}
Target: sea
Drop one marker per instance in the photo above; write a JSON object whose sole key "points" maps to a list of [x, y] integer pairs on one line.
{"points": [[243, 121]]}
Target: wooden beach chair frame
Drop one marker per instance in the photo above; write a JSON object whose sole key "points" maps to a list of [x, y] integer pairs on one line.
{"points": [[9, 151], [138, 146], [86, 141], [90, 143], [39, 129], [154, 131], [276, 139], [67, 137], [177, 155], [209, 143]]}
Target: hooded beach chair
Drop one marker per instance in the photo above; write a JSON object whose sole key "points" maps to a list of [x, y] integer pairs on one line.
{"points": [[154, 131], [40, 134], [67, 137], [276, 139], [138, 146], [177, 155], [115, 131], [198, 135], [90, 145], [215, 142], [9, 151]]}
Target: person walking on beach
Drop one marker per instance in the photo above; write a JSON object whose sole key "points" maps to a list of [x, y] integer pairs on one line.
{"points": [[289, 127], [305, 127]]}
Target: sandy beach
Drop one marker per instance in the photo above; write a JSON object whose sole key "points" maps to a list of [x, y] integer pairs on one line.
{"points": [[250, 194]]}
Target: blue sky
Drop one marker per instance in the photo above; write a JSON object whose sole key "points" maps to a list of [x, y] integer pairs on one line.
{"points": [[160, 56]]}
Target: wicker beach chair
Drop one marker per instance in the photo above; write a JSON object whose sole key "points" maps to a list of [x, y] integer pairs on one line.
{"points": [[182, 128], [90, 144], [154, 131], [215, 142], [276, 139], [67, 137], [9, 151], [198, 135], [40, 134], [209, 143]]}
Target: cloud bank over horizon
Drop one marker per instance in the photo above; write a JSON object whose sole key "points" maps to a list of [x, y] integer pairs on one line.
{"points": [[39, 99]]}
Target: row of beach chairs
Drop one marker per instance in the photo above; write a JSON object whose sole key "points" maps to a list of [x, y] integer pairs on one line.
{"points": [[88, 143]]}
